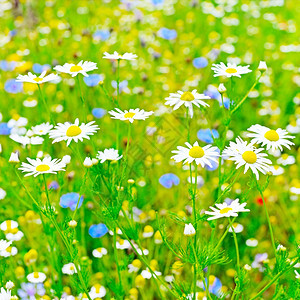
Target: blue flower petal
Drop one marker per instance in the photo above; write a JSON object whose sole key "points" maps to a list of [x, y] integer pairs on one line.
{"points": [[70, 200], [98, 112], [200, 62], [98, 230], [168, 180], [167, 34], [93, 79], [206, 135], [13, 87]]}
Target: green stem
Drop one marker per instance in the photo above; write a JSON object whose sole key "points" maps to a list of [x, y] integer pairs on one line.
{"points": [[245, 97], [274, 280], [116, 256], [267, 215], [82, 99], [236, 246], [45, 104]]}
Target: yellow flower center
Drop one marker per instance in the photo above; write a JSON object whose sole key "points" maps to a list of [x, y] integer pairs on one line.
{"points": [[36, 274], [97, 287], [196, 152], [72, 268], [42, 168], [285, 156], [9, 249], [272, 136], [187, 96], [250, 157], [129, 115], [37, 79], [73, 130], [231, 70], [225, 210], [10, 230], [76, 68]]}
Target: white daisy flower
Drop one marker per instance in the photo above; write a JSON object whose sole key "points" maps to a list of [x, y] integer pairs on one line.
{"points": [[32, 78], [97, 291], [116, 55], [273, 139], [187, 99], [99, 252], [134, 266], [8, 225], [30, 103], [297, 275], [247, 155], [148, 231], [36, 277], [131, 115], [69, 269], [286, 160], [252, 242], [14, 235], [26, 140], [226, 210], [108, 154], [202, 156], [9, 251], [5, 294], [123, 244], [72, 132], [147, 274], [236, 227], [41, 129], [4, 245], [230, 70], [80, 68], [2, 194], [37, 166], [277, 170]]}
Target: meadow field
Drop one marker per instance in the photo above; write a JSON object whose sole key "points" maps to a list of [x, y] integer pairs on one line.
{"points": [[149, 149]]}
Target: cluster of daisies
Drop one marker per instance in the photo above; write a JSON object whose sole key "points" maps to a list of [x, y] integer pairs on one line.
{"points": [[242, 153]]}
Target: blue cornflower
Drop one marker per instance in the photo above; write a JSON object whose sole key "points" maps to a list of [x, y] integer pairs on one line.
{"points": [[4, 129], [167, 34], [101, 35], [157, 2], [98, 112], [12, 86], [98, 230], [7, 65], [38, 68], [206, 135], [53, 185], [122, 85], [168, 180], [93, 79], [70, 200], [200, 62], [215, 287]]}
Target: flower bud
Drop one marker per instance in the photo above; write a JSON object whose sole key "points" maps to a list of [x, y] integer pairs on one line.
{"points": [[221, 88], [14, 158], [189, 230], [262, 66], [88, 162], [72, 224]]}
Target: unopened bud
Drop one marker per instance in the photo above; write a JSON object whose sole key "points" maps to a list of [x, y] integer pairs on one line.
{"points": [[262, 66]]}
